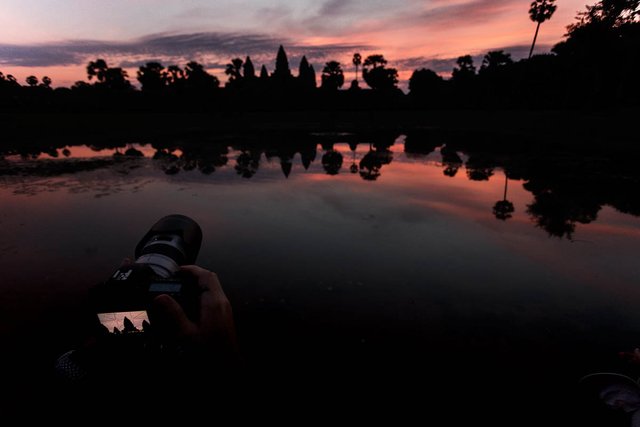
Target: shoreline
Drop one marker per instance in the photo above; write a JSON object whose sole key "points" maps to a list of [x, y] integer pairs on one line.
{"points": [[610, 129]]}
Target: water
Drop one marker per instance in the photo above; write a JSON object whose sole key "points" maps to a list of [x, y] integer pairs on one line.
{"points": [[399, 257]]}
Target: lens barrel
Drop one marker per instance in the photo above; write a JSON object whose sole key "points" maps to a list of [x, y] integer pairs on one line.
{"points": [[171, 242]]}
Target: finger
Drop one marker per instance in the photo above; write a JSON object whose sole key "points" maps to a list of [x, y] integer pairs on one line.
{"points": [[170, 318]]}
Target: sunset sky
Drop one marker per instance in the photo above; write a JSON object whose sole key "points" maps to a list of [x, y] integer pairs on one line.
{"points": [[58, 37]]}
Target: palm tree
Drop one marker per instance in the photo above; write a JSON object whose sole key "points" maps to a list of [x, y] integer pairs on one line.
{"points": [[357, 60], [234, 70], [540, 11], [495, 59], [332, 76], [97, 69], [503, 209], [32, 81]]}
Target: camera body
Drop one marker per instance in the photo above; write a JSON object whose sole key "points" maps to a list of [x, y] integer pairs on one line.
{"points": [[122, 301]]}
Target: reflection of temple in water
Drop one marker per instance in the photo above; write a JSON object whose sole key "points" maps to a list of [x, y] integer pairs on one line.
{"points": [[566, 190]]}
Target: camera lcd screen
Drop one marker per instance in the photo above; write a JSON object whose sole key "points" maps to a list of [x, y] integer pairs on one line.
{"points": [[124, 322]]}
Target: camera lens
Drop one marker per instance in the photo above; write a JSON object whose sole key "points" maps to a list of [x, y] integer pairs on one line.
{"points": [[171, 242]]}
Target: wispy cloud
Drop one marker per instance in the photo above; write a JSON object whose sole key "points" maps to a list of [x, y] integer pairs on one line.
{"points": [[471, 12], [169, 47]]}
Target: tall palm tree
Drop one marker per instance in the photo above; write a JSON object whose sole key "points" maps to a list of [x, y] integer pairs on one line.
{"points": [[540, 11], [504, 208], [357, 60]]}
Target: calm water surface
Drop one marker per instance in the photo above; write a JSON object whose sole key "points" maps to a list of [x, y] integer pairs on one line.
{"points": [[328, 253]]}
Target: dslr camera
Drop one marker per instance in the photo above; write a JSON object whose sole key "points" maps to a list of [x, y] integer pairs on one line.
{"points": [[122, 301]]}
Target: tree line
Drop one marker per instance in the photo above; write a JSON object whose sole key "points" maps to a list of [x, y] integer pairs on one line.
{"points": [[596, 65]]}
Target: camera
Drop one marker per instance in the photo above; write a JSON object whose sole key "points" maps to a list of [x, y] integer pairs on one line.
{"points": [[122, 301]]}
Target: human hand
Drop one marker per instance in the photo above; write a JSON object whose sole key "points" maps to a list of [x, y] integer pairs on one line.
{"points": [[213, 329]]}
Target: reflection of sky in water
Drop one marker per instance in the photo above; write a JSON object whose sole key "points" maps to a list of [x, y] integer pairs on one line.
{"points": [[417, 254], [414, 246]]}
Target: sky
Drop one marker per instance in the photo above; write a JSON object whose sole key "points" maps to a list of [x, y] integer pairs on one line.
{"points": [[58, 37]]}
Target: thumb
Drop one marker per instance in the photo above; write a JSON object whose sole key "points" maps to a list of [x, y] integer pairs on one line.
{"points": [[170, 319]]}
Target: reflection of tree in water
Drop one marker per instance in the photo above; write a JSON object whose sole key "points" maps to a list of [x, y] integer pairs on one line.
{"points": [[206, 158], [378, 156], [557, 212], [479, 168], [450, 160], [247, 163], [503, 209], [167, 160], [419, 144], [332, 161], [370, 166], [133, 152], [213, 158], [353, 146]]}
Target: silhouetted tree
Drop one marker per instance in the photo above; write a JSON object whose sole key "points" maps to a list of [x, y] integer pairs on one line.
{"points": [[115, 79], [32, 81], [198, 78], [539, 12], [600, 55], [495, 60], [46, 82], [152, 77], [97, 69], [357, 61], [174, 76], [376, 75], [465, 70], [608, 14], [234, 71], [425, 82], [332, 76], [80, 86]]}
